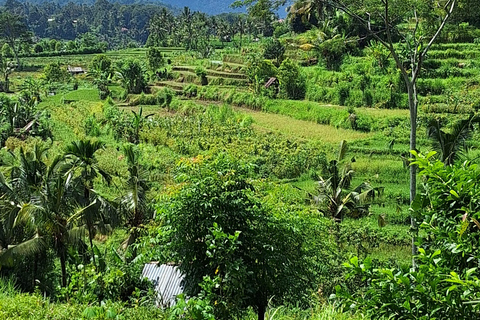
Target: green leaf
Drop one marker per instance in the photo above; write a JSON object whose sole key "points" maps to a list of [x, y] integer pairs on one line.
{"points": [[406, 304], [455, 194]]}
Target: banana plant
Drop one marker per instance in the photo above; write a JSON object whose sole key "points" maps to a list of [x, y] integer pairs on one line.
{"points": [[335, 199], [137, 123]]}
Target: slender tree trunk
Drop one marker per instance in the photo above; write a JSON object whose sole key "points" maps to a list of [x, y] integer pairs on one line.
{"points": [[261, 311], [413, 104], [35, 268], [17, 58], [91, 246], [63, 266]]}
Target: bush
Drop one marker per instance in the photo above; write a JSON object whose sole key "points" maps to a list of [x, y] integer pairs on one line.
{"points": [[444, 284], [54, 72], [92, 127], [292, 81], [274, 50], [155, 59]]}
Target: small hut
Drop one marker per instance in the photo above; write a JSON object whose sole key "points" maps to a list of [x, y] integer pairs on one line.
{"points": [[75, 70]]}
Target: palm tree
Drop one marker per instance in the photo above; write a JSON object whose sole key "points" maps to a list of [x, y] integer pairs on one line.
{"points": [[134, 203], [80, 156], [26, 172], [51, 209], [450, 144], [40, 200]]}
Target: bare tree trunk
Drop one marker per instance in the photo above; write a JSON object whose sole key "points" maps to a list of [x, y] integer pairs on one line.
{"points": [[413, 104], [261, 311], [63, 266]]}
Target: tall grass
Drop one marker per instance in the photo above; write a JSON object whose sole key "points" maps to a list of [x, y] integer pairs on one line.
{"points": [[319, 312]]}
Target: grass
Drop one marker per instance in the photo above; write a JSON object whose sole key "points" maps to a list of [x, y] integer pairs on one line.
{"points": [[82, 94], [318, 312], [302, 129]]}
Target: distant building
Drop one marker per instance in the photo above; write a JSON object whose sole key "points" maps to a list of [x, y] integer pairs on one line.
{"points": [[75, 70], [167, 281]]}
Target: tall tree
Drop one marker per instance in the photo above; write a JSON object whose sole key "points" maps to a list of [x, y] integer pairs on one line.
{"points": [[14, 31], [407, 20], [219, 228], [81, 158], [134, 203]]}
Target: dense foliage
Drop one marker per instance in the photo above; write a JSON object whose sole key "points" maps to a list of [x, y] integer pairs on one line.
{"points": [[443, 283]]}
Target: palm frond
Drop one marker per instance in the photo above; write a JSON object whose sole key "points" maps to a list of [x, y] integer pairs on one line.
{"points": [[24, 249], [342, 150]]}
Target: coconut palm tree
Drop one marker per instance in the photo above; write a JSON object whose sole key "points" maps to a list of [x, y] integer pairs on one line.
{"points": [[80, 157], [26, 171], [134, 203], [451, 144], [50, 211], [40, 200]]}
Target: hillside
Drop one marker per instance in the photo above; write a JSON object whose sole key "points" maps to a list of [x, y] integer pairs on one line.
{"points": [[211, 7]]}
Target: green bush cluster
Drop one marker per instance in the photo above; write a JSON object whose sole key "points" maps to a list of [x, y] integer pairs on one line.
{"points": [[443, 284]]}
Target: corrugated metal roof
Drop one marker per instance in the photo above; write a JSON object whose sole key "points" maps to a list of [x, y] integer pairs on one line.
{"points": [[270, 82], [167, 281], [75, 69]]}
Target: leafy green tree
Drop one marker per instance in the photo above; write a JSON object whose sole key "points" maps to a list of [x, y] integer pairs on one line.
{"points": [[14, 31], [132, 76], [102, 65], [155, 59], [217, 227], [274, 50], [292, 82], [55, 72], [332, 51], [262, 12], [7, 51], [259, 70], [101, 71], [444, 284]]}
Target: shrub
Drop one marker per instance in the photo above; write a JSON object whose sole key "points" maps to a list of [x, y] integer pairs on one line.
{"points": [[274, 50], [54, 72], [132, 76], [292, 81], [444, 284], [155, 59], [92, 127]]}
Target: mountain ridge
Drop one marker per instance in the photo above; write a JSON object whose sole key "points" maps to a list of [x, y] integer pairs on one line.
{"points": [[211, 7]]}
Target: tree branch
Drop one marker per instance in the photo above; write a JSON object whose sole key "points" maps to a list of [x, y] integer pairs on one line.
{"points": [[437, 33]]}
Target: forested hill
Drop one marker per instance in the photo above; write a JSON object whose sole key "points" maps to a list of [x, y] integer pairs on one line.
{"points": [[211, 7], [208, 6]]}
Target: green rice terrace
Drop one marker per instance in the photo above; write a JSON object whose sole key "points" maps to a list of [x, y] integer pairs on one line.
{"points": [[235, 166]]}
